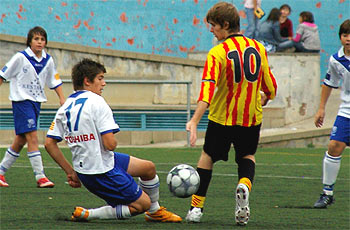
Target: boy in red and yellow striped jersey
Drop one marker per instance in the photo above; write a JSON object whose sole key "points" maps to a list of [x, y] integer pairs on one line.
{"points": [[236, 83]]}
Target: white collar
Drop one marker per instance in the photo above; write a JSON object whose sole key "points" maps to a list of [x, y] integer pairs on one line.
{"points": [[30, 52], [341, 52]]}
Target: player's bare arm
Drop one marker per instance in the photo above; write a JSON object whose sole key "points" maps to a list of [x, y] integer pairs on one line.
{"points": [[109, 141], [191, 126], [60, 95], [319, 117], [56, 154]]}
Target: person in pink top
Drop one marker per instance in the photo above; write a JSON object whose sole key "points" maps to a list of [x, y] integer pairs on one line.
{"points": [[307, 38]]}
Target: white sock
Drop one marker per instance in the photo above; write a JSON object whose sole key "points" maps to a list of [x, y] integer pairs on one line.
{"points": [[8, 160], [37, 164], [331, 166], [108, 212], [151, 187]]}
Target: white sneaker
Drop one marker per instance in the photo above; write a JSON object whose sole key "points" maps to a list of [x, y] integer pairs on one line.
{"points": [[194, 215], [242, 204]]}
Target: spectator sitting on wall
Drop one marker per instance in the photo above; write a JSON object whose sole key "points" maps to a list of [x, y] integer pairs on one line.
{"points": [[269, 31], [286, 25], [307, 38]]}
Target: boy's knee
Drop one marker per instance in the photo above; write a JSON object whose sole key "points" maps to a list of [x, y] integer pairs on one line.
{"points": [[150, 169], [335, 148]]}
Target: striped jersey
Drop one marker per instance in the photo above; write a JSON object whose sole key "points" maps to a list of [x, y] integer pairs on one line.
{"points": [[338, 73], [234, 74]]}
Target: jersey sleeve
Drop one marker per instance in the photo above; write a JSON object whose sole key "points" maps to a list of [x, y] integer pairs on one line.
{"points": [[211, 73], [56, 130], [332, 78], [12, 67], [105, 122], [268, 84], [53, 78]]}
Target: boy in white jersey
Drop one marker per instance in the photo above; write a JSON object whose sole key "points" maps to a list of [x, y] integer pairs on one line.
{"points": [[28, 72], [338, 72], [86, 123]]}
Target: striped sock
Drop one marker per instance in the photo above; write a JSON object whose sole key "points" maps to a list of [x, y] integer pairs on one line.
{"points": [[8, 160], [197, 201], [151, 187], [37, 164], [331, 166]]}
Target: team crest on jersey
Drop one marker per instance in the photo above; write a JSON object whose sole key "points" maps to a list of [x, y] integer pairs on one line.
{"points": [[334, 130], [25, 69], [31, 123]]}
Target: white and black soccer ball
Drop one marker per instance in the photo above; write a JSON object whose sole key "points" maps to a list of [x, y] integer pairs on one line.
{"points": [[183, 180]]}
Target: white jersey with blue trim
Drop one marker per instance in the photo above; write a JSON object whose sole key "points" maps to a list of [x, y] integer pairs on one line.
{"points": [[81, 121], [339, 73], [29, 74]]}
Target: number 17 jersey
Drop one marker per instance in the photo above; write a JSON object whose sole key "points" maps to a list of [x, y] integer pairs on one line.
{"points": [[81, 121]]}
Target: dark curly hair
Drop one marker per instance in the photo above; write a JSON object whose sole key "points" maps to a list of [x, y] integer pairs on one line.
{"points": [[85, 68]]}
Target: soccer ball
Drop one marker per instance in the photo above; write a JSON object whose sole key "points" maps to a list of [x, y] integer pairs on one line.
{"points": [[183, 180]]}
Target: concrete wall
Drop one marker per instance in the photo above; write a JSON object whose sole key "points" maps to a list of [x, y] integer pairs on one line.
{"points": [[297, 77]]}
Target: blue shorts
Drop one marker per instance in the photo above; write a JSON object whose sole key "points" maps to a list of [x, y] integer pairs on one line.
{"points": [[341, 130], [25, 116], [115, 186]]}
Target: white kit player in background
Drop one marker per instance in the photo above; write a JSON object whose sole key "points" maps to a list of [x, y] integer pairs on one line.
{"points": [[28, 72], [338, 74], [87, 125]]}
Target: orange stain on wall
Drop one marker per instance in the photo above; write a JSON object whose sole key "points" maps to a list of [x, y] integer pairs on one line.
{"points": [[2, 17], [196, 20], [123, 17], [77, 25], [86, 24], [131, 41], [318, 5], [182, 48], [19, 16], [242, 14], [21, 9]]}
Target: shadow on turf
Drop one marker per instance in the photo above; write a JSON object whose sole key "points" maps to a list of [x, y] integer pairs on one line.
{"points": [[297, 207]]}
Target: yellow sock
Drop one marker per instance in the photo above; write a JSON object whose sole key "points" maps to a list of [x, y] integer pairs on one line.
{"points": [[246, 181], [197, 201]]}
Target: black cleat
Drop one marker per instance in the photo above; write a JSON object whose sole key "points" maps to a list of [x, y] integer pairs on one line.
{"points": [[324, 201]]}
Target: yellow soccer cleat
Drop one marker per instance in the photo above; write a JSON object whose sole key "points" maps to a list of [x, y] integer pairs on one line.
{"points": [[80, 214], [162, 215]]}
